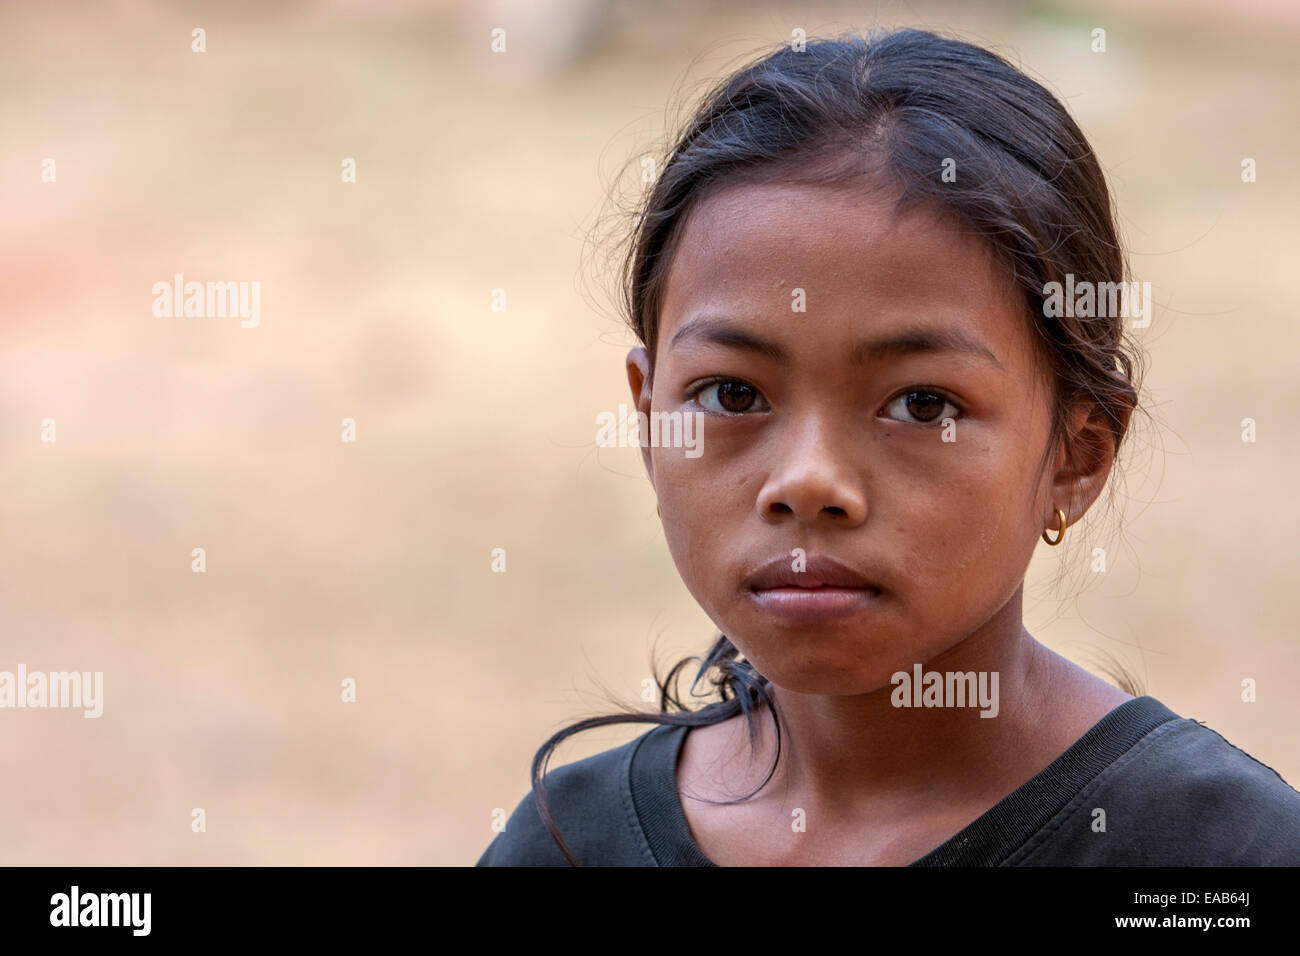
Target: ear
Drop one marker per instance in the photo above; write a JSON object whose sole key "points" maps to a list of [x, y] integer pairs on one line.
{"points": [[638, 379], [1083, 463]]}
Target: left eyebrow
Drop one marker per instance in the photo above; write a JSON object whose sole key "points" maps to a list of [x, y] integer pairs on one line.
{"points": [[916, 340], [943, 338]]}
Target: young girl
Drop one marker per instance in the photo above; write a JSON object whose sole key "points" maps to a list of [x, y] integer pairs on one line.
{"points": [[846, 268]]}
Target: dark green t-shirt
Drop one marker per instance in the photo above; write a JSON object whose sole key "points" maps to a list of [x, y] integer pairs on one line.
{"points": [[1174, 792]]}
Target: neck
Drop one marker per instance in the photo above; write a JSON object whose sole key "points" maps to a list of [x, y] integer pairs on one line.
{"points": [[855, 751]]}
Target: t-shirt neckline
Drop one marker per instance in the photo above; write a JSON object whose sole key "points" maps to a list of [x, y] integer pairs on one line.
{"points": [[986, 841]]}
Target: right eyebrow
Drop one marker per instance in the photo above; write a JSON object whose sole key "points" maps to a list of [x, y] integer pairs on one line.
{"points": [[720, 332]]}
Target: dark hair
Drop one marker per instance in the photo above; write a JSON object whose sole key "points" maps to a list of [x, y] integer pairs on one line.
{"points": [[892, 106]]}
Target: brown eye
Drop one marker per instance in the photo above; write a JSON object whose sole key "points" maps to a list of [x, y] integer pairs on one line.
{"points": [[731, 397], [735, 397], [923, 407]]}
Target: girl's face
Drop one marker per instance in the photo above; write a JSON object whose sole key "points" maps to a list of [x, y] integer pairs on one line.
{"points": [[870, 396]]}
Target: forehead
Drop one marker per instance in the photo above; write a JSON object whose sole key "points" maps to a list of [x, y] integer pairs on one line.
{"points": [[861, 265]]}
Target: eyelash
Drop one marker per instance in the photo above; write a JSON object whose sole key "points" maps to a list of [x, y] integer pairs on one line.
{"points": [[707, 383]]}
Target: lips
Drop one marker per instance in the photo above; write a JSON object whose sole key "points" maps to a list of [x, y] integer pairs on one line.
{"points": [[819, 571], [825, 590]]}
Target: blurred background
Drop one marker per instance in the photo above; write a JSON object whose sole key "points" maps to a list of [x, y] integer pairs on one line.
{"points": [[371, 560]]}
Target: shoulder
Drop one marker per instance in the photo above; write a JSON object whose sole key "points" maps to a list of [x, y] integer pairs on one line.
{"points": [[1183, 795], [590, 801]]}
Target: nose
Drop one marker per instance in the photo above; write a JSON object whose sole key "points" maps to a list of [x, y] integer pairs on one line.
{"points": [[813, 479]]}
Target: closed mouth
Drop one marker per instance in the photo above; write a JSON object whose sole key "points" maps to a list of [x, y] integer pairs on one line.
{"points": [[815, 573]]}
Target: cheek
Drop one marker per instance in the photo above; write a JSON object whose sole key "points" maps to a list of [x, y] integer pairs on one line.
{"points": [[968, 529], [701, 512]]}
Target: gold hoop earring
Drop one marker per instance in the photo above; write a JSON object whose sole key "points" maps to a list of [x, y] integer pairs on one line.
{"points": [[1060, 531]]}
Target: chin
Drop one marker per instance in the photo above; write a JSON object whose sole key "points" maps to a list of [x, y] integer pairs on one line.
{"points": [[828, 682], [812, 670]]}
